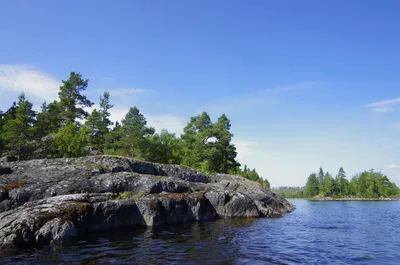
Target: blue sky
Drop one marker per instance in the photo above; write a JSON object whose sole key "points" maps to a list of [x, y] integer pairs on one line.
{"points": [[305, 83]]}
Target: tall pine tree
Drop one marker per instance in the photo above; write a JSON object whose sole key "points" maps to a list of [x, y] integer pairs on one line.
{"points": [[17, 132], [135, 134], [72, 102]]}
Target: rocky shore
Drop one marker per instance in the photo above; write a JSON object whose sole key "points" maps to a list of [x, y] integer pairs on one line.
{"points": [[55, 201]]}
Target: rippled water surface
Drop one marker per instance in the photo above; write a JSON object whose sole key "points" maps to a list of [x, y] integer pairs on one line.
{"points": [[315, 233]]}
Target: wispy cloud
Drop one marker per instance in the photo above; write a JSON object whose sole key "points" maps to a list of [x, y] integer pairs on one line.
{"points": [[383, 105], [298, 86], [264, 97], [117, 92], [30, 80], [109, 77], [244, 147], [394, 166]]}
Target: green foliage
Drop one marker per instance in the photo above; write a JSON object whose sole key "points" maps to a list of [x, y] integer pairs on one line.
{"points": [[321, 181], [94, 126], [312, 186], [17, 129], [113, 140], [290, 192], [56, 131], [123, 195], [98, 123], [126, 195], [252, 175], [165, 148], [368, 184], [208, 147], [70, 141], [105, 107], [342, 184], [72, 102], [328, 185], [132, 137], [48, 120]]}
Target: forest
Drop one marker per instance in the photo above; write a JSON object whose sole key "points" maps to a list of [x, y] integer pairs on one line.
{"points": [[63, 128], [289, 192], [367, 184]]}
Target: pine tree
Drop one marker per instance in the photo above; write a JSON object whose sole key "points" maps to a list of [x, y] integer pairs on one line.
{"points": [[135, 133], [194, 139], [341, 183], [105, 107], [320, 178], [312, 187], [17, 132], [328, 185], [226, 150], [72, 102], [207, 146], [94, 126], [113, 141], [48, 120], [98, 123]]}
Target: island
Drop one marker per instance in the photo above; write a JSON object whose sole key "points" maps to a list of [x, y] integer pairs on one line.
{"points": [[365, 186]]}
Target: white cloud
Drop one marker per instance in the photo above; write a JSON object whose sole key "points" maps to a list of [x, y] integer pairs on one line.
{"points": [[383, 105], [30, 80], [298, 86], [115, 92], [270, 97], [395, 166], [244, 148], [172, 123], [117, 114], [382, 109]]}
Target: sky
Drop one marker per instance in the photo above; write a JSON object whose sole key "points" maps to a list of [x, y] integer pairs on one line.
{"points": [[304, 83]]}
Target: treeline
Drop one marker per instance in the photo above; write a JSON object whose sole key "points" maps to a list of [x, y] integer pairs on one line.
{"points": [[289, 192], [368, 184], [63, 128]]}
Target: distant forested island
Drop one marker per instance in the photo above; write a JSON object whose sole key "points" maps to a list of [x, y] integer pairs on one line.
{"points": [[63, 128], [322, 186]]}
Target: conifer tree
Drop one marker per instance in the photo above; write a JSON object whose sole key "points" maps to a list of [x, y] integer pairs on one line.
{"points": [[72, 102], [17, 132]]}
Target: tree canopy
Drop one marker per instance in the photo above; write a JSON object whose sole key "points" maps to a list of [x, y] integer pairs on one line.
{"points": [[368, 184], [64, 128], [72, 101]]}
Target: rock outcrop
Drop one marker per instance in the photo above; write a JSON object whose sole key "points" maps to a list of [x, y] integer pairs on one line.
{"points": [[54, 201]]}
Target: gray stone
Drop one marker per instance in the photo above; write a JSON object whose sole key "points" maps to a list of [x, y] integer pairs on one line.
{"points": [[53, 201]]}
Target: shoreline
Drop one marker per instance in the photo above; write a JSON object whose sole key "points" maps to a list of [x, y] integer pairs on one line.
{"points": [[349, 199]]}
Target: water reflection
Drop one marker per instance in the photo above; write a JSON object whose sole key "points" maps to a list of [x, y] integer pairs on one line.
{"points": [[316, 233], [197, 243]]}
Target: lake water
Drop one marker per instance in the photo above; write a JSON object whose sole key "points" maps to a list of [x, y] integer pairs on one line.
{"points": [[315, 233]]}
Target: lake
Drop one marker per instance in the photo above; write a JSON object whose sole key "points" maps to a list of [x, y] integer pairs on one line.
{"points": [[315, 233]]}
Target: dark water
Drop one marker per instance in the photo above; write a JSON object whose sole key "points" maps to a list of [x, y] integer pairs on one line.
{"points": [[315, 233]]}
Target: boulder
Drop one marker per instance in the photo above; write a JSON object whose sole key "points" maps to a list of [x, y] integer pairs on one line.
{"points": [[54, 201]]}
